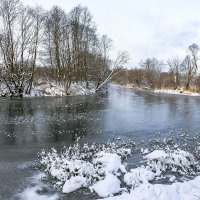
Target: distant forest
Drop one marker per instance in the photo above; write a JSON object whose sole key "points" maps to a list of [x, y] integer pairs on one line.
{"points": [[155, 74]]}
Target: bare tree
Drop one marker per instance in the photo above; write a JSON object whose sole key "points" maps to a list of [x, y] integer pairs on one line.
{"points": [[106, 45], [175, 66], [121, 59], [190, 65], [54, 27], [152, 70], [37, 34], [9, 12], [19, 45], [77, 54]]}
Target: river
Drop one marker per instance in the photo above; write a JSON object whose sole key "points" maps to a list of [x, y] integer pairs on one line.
{"points": [[29, 125]]}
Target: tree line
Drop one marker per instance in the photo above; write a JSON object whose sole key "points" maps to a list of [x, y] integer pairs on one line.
{"points": [[55, 45], [172, 74], [66, 48]]}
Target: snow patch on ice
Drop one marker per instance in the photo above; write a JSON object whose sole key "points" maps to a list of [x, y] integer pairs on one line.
{"points": [[32, 194], [35, 192]]}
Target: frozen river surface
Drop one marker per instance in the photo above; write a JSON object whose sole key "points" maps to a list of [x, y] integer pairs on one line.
{"points": [[27, 126]]}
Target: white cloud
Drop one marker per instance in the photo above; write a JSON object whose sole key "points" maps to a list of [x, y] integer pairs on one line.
{"points": [[145, 28]]}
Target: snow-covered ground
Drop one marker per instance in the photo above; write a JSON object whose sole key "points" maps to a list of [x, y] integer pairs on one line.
{"points": [[180, 92], [188, 190], [52, 89], [101, 168], [166, 91]]}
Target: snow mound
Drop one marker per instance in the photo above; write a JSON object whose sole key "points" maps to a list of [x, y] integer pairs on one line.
{"points": [[139, 176], [86, 166], [74, 183], [158, 162], [178, 160], [63, 168], [107, 187], [107, 163]]}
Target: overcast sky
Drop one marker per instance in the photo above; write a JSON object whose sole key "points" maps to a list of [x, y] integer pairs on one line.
{"points": [[145, 28]]}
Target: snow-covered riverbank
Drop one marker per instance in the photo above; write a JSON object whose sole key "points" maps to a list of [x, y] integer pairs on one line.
{"points": [[101, 169], [165, 91], [178, 92], [52, 89]]}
